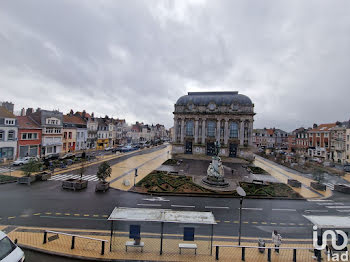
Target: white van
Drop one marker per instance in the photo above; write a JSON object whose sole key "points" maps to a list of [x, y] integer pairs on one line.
{"points": [[9, 251]]}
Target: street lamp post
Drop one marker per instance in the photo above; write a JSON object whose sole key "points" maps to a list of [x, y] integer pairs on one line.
{"points": [[135, 176], [242, 193]]}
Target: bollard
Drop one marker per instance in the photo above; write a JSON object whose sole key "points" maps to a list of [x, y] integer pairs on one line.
{"points": [[73, 242], [103, 248], [269, 255], [319, 258], [294, 255], [216, 253], [45, 237], [243, 253]]}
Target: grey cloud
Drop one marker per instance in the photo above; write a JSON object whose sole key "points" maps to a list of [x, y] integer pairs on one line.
{"points": [[134, 59]]}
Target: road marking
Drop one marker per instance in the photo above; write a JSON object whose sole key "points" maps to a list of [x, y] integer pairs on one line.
{"points": [[86, 215], [24, 215], [95, 215], [338, 207], [319, 200], [218, 221], [282, 224], [264, 223], [343, 210], [254, 222], [183, 206], [156, 199], [284, 209], [150, 205], [316, 211], [37, 214], [291, 224], [58, 213], [105, 215], [328, 204], [273, 223], [10, 217], [67, 214], [217, 207], [227, 221], [251, 208], [48, 213], [300, 224], [76, 215], [245, 222], [236, 222]]}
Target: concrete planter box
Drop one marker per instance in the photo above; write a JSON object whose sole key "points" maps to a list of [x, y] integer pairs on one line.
{"points": [[294, 183], [26, 180], [74, 184], [44, 176], [318, 186], [342, 189], [102, 186]]}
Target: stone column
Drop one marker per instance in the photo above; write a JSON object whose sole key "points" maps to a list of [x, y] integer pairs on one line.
{"points": [[218, 129], [250, 133], [241, 133], [175, 130], [226, 132], [203, 131], [196, 131], [182, 129]]}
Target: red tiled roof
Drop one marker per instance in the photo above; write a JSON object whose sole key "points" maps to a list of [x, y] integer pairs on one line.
{"points": [[87, 115], [323, 127], [5, 113], [73, 120], [25, 122]]}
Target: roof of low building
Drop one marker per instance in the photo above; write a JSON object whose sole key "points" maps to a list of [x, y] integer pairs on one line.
{"points": [[323, 127], [73, 120], [25, 122], [219, 98], [5, 113]]}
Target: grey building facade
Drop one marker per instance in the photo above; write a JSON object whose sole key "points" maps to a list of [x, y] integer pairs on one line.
{"points": [[201, 118]]}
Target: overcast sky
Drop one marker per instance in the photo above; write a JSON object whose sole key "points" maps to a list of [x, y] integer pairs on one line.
{"points": [[134, 59]]}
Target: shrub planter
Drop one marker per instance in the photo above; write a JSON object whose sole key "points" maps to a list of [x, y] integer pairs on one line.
{"points": [[342, 189], [44, 176], [26, 180], [102, 186], [75, 184], [294, 183], [318, 186]]}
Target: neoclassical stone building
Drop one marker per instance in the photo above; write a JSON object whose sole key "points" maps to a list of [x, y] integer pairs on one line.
{"points": [[201, 118]]}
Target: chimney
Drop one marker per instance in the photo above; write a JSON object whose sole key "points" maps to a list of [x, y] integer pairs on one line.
{"points": [[29, 111], [83, 114], [92, 114], [71, 112], [23, 112], [38, 109], [315, 126]]}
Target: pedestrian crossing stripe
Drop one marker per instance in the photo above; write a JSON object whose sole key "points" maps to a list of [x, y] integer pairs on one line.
{"points": [[330, 185], [63, 177]]}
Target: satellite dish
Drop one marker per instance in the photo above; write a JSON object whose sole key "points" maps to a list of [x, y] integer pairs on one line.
{"points": [[241, 191]]}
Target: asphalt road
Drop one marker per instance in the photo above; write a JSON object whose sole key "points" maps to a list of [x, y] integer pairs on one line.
{"points": [[46, 204]]}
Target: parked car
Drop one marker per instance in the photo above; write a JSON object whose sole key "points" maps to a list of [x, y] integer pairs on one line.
{"points": [[315, 159], [108, 148], [51, 156], [9, 251], [347, 168], [127, 148], [67, 156], [117, 149], [23, 161]]}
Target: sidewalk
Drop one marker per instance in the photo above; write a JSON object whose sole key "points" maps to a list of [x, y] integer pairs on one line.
{"points": [[32, 238], [283, 175]]}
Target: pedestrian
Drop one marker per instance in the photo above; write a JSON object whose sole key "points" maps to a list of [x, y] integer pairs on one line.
{"points": [[276, 240]]}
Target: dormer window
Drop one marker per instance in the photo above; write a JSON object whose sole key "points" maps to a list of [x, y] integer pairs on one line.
{"points": [[212, 106], [10, 122]]}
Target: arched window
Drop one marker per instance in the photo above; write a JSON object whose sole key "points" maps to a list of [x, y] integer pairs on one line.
{"points": [[233, 130], [11, 135], [2, 135], [211, 129], [189, 128]]}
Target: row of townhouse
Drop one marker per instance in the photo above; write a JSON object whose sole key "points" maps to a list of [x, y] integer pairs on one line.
{"points": [[140, 132], [270, 138], [324, 141], [42, 132]]}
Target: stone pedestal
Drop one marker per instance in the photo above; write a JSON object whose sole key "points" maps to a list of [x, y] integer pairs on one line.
{"points": [[215, 174]]}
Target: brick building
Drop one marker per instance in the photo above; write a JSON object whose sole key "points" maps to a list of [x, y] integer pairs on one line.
{"points": [[29, 137], [319, 141]]}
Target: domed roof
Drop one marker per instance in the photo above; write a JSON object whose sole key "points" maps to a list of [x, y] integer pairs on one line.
{"points": [[219, 98]]}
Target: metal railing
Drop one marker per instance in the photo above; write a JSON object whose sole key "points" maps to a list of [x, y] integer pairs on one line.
{"points": [[217, 249], [103, 241]]}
